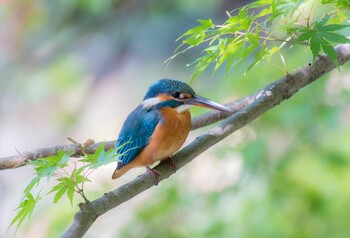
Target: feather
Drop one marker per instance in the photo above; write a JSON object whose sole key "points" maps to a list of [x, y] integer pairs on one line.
{"points": [[135, 134]]}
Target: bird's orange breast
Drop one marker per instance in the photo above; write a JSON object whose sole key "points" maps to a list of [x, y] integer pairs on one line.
{"points": [[168, 137]]}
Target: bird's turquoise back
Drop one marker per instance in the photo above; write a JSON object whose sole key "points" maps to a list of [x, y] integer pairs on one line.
{"points": [[136, 132]]}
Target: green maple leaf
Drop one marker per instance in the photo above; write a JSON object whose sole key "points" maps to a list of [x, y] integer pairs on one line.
{"points": [[321, 36]]}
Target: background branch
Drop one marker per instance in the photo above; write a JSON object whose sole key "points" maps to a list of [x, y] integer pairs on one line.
{"points": [[15, 161], [270, 96]]}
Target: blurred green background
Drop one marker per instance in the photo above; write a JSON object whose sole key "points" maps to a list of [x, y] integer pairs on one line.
{"points": [[77, 68]]}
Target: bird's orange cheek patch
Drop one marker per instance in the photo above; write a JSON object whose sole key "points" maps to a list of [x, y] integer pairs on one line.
{"points": [[165, 97], [187, 95]]}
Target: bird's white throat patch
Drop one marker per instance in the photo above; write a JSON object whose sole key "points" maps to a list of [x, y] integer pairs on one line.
{"points": [[184, 107], [150, 102]]}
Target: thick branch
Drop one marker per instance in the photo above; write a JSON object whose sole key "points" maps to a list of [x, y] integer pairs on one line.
{"points": [[270, 96], [215, 116]]}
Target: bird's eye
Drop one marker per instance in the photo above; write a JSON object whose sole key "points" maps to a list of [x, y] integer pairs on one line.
{"points": [[176, 94]]}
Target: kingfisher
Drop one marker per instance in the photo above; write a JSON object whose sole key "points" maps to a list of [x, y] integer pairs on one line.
{"points": [[159, 126]]}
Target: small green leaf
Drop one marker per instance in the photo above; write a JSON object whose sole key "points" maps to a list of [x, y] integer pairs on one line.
{"points": [[329, 50], [69, 182], [260, 3], [264, 12], [55, 188], [334, 27], [253, 39], [323, 21], [89, 158], [63, 159], [81, 178], [100, 157], [26, 208], [304, 37], [59, 193], [260, 54], [243, 12], [195, 39], [315, 46], [33, 182], [334, 37], [70, 195], [206, 23], [196, 35], [247, 51], [245, 23], [46, 166], [274, 8]]}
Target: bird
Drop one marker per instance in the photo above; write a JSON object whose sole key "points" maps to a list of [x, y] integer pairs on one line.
{"points": [[158, 126]]}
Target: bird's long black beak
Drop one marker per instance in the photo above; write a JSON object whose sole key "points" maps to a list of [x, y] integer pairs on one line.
{"points": [[204, 102]]}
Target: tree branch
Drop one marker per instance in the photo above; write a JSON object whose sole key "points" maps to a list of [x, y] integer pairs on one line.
{"points": [[77, 150], [215, 116], [270, 96]]}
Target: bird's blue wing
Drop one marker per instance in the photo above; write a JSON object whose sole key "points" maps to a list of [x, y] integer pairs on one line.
{"points": [[135, 134]]}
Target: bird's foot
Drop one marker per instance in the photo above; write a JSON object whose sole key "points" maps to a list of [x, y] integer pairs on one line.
{"points": [[155, 174], [172, 163]]}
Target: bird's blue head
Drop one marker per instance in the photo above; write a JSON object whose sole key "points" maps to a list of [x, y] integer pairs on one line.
{"points": [[168, 87], [177, 94]]}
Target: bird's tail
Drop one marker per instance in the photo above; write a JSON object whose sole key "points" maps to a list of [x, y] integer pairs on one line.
{"points": [[120, 170]]}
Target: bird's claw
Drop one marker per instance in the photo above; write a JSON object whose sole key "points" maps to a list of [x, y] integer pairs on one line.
{"points": [[154, 173], [172, 163]]}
